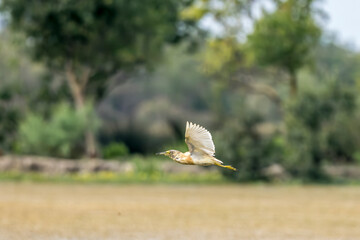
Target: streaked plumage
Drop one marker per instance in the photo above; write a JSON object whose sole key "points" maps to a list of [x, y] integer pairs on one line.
{"points": [[201, 148]]}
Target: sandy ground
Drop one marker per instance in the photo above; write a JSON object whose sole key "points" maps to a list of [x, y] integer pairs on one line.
{"points": [[59, 212]]}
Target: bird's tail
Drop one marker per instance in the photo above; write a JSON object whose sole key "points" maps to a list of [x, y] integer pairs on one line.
{"points": [[225, 166], [217, 160]]}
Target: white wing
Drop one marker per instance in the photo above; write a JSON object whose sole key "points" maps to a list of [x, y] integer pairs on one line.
{"points": [[199, 139]]}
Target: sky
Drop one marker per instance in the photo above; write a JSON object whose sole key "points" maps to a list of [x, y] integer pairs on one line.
{"points": [[344, 19]]}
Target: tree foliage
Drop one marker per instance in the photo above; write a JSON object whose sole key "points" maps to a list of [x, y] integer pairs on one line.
{"points": [[227, 15], [101, 35], [18, 82], [313, 134], [336, 62], [284, 38], [243, 146]]}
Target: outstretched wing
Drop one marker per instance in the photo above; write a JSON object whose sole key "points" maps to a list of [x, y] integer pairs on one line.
{"points": [[199, 139]]}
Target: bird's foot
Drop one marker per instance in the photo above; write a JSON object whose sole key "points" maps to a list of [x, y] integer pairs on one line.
{"points": [[226, 166]]}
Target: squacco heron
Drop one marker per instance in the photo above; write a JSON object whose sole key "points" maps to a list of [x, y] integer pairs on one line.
{"points": [[201, 148]]}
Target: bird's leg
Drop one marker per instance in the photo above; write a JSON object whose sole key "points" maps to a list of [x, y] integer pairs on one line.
{"points": [[225, 166]]}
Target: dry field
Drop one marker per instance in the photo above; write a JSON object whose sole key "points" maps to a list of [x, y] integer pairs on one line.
{"points": [[59, 212]]}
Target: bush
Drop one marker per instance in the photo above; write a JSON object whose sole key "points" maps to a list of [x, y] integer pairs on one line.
{"points": [[342, 139], [115, 150], [244, 147], [315, 129], [58, 136]]}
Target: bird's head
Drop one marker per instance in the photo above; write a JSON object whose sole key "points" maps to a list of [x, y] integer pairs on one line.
{"points": [[169, 153]]}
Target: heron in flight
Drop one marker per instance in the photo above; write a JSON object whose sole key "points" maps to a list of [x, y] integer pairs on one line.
{"points": [[201, 148]]}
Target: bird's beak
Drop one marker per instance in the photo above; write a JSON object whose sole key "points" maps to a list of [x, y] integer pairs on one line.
{"points": [[161, 153]]}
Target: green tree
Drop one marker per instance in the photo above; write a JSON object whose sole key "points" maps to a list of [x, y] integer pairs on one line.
{"points": [[88, 41], [313, 128], [284, 38]]}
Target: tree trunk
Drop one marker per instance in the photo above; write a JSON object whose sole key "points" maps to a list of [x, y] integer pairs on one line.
{"points": [[90, 144], [77, 86], [293, 84], [316, 171]]}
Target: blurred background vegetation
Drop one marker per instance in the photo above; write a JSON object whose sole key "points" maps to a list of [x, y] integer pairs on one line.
{"points": [[114, 78]]}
